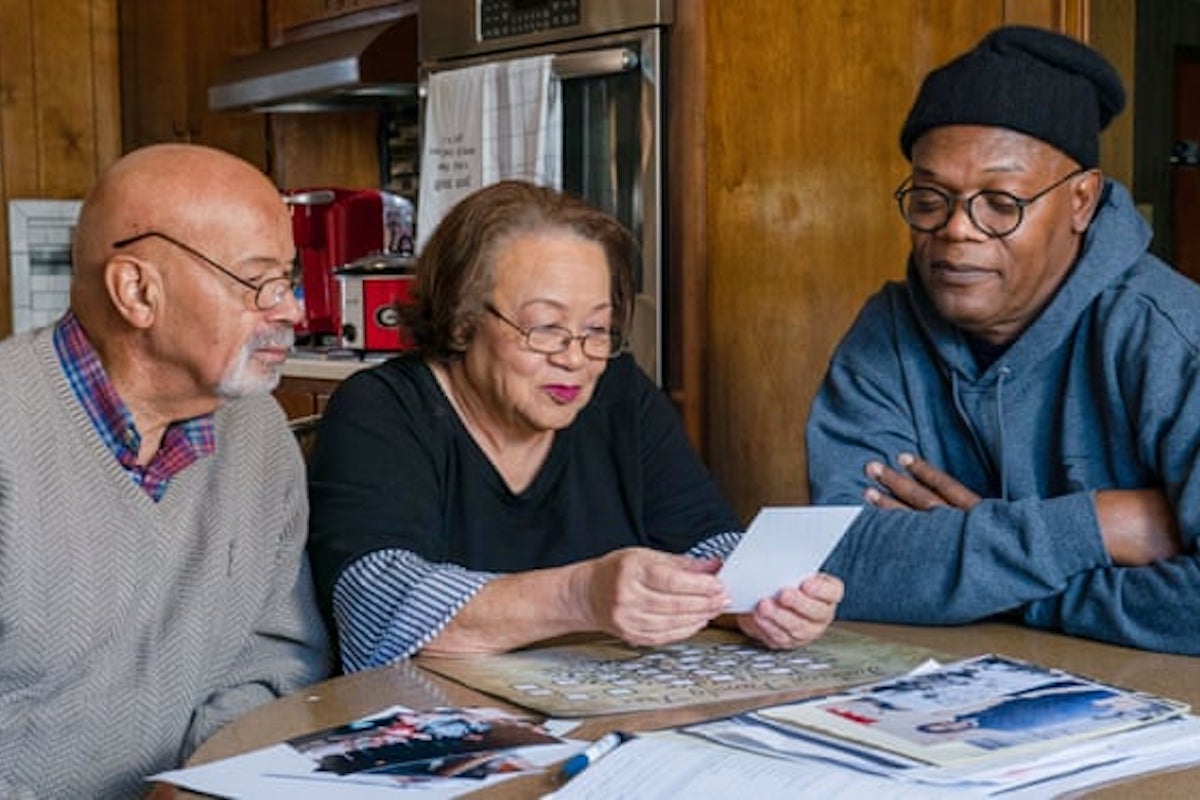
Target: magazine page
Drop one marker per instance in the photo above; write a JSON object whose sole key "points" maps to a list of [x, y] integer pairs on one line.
{"points": [[979, 707], [421, 746], [1018, 776]]}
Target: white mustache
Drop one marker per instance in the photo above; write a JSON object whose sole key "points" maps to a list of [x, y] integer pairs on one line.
{"points": [[274, 337], [239, 380]]}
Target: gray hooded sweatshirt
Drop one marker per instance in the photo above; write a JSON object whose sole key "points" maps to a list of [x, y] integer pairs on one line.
{"points": [[1102, 391]]}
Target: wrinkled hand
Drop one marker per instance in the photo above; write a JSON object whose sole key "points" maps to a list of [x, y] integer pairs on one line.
{"points": [[794, 617], [1137, 526], [920, 488], [649, 598]]}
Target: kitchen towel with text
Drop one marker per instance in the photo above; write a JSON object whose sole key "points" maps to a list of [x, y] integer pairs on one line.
{"points": [[484, 124]]}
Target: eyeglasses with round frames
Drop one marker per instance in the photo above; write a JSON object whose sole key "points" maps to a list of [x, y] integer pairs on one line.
{"points": [[599, 344], [994, 213], [267, 295]]}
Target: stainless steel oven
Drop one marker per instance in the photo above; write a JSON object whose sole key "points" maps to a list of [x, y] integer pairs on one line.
{"points": [[609, 57]]}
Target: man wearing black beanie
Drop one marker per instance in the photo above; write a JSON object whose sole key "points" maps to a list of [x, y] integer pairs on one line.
{"points": [[1022, 414]]}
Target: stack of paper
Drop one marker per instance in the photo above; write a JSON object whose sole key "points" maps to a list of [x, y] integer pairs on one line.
{"points": [[672, 764], [975, 709], [977, 728]]}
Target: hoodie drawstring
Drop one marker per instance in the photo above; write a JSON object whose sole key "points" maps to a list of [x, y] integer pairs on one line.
{"points": [[1004, 372]]}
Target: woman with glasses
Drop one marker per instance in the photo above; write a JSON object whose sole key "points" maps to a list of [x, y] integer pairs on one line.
{"points": [[517, 477], [1023, 411]]}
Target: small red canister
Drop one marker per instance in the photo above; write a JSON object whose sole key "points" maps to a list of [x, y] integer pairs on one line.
{"points": [[372, 289]]}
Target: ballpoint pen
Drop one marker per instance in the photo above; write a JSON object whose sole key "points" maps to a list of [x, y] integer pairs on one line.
{"points": [[592, 753]]}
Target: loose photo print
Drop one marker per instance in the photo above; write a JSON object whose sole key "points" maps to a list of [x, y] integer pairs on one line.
{"points": [[421, 746], [977, 707]]}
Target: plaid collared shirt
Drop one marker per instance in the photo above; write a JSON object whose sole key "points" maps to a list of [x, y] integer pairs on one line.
{"points": [[183, 443]]}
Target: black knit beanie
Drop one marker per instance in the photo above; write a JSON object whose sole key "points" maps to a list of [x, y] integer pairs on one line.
{"points": [[1043, 84]]}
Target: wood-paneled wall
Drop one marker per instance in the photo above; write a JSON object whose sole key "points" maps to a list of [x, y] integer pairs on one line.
{"points": [[171, 52], [805, 106], [60, 122], [800, 153], [1112, 30]]}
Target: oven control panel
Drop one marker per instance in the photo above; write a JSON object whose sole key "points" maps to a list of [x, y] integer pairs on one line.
{"points": [[450, 30], [499, 18]]}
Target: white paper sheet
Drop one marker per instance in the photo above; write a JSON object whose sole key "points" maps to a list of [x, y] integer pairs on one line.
{"points": [[783, 546], [670, 765]]}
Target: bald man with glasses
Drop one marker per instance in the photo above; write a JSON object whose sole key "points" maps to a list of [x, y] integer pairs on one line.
{"points": [[153, 580], [1021, 415]]}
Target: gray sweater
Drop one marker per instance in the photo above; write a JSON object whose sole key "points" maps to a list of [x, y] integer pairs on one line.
{"points": [[131, 630]]}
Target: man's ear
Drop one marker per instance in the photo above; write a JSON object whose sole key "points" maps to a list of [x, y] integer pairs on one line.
{"points": [[1085, 195], [134, 288]]}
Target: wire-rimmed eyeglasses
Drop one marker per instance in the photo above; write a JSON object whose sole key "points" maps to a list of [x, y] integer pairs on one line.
{"points": [[599, 344], [994, 213], [267, 295]]}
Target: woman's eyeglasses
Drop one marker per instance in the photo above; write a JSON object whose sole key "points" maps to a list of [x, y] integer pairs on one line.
{"points": [[599, 344]]}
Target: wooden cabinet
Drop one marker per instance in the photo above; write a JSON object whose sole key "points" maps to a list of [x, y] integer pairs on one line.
{"points": [[303, 401], [304, 397], [171, 51], [288, 20]]}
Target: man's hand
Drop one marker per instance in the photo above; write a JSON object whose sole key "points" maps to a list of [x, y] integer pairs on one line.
{"points": [[1137, 525], [795, 616], [920, 488]]}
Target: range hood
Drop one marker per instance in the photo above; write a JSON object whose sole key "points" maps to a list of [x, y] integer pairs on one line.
{"points": [[357, 68]]}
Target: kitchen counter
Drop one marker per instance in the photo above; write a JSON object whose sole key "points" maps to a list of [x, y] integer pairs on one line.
{"points": [[323, 368]]}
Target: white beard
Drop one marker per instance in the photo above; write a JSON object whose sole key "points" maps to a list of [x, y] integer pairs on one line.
{"points": [[245, 377]]}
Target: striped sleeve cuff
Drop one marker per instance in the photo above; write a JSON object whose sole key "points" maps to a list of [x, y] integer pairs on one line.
{"points": [[390, 603], [719, 546]]}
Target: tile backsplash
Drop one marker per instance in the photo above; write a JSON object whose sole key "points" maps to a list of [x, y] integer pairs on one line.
{"points": [[39, 237]]}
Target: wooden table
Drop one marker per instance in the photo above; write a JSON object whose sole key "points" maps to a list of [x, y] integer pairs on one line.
{"points": [[345, 698]]}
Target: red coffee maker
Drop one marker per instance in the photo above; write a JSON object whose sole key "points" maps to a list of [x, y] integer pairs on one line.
{"points": [[334, 227]]}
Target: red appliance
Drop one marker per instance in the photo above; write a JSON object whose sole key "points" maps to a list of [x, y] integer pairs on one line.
{"points": [[334, 227], [372, 289]]}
